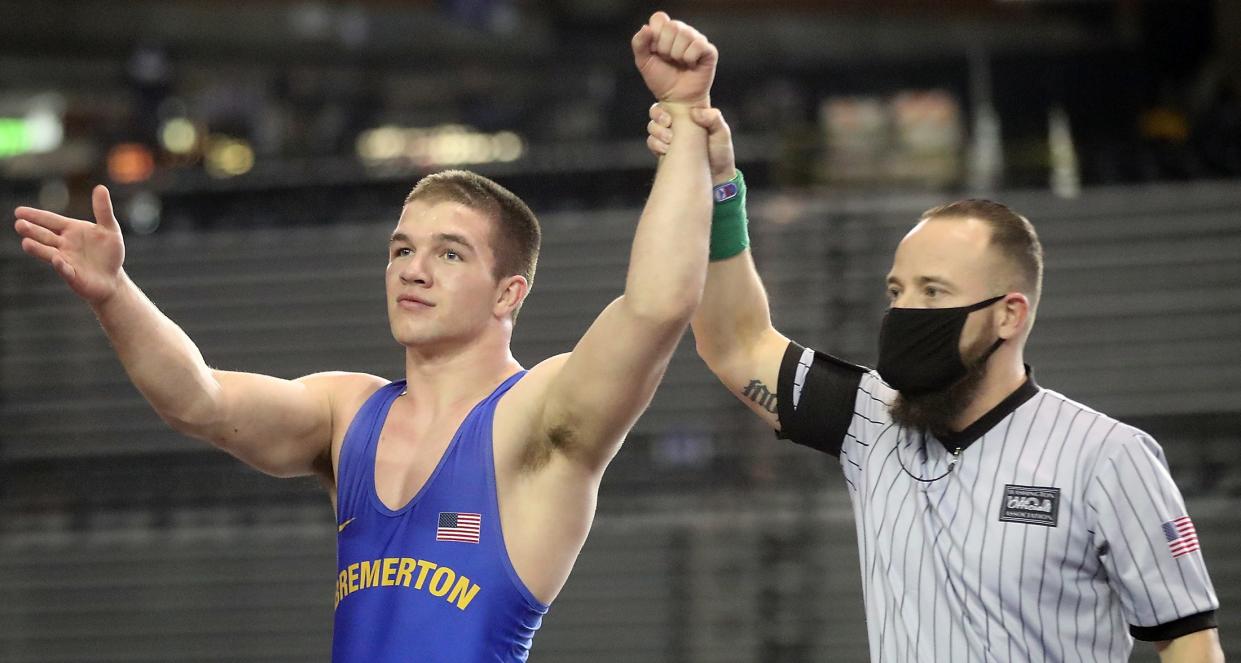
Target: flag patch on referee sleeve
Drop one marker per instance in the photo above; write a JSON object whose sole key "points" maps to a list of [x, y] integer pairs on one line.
{"points": [[461, 527], [1181, 535]]}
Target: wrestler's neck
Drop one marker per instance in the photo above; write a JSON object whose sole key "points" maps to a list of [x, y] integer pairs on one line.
{"points": [[1006, 372], [449, 371]]}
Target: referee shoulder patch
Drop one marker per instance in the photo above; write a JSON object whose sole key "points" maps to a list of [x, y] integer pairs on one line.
{"points": [[1033, 505]]}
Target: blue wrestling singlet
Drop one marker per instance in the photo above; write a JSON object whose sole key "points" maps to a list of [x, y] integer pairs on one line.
{"points": [[430, 582]]}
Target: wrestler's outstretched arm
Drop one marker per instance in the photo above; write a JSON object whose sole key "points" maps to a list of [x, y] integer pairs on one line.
{"points": [[281, 427]]}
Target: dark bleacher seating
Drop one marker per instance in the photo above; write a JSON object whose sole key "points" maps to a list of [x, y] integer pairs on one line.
{"points": [[120, 541]]}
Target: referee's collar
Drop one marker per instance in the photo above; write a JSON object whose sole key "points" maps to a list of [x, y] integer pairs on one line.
{"points": [[986, 422]]}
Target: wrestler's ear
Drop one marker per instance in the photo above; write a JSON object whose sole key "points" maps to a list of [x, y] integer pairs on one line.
{"points": [[511, 291]]}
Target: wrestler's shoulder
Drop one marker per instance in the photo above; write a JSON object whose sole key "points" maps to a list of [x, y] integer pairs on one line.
{"points": [[536, 380], [345, 389]]}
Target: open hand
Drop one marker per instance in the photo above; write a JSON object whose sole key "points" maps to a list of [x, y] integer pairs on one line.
{"points": [[88, 256]]}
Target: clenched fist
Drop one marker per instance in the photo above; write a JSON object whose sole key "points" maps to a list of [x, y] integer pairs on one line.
{"points": [[677, 62]]}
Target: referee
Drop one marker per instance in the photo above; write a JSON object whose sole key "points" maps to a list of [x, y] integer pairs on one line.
{"points": [[997, 520]]}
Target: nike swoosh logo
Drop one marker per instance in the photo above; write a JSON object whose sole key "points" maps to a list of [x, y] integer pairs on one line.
{"points": [[344, 525]]}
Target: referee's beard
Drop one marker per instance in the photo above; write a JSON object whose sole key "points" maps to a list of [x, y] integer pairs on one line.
{"points": [[934, 411]]}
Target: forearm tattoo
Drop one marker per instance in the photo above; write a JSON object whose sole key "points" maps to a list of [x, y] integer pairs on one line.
{"points": [[759, 393]]}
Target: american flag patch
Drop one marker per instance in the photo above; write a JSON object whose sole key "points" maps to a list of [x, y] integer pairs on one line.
{"points": [[1182, 538], [462, 527]]}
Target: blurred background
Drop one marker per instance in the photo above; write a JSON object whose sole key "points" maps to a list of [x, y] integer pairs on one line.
{"points": [[258, 152]]}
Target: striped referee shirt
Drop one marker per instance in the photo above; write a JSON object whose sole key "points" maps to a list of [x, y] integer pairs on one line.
{"points": [[1056, 535]]}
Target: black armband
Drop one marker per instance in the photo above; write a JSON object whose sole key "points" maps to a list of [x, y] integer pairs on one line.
{"points": [[817, 396], [1175, 629]]}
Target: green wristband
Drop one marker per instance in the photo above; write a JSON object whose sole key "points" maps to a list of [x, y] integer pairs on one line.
{"points": [[728, 222]]}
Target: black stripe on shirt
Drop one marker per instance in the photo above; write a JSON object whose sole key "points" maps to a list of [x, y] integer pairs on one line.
{"points": [[825, 407], [1175, 629]]}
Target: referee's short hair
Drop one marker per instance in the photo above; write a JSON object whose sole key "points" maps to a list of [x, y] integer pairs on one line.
{"points": [[1011, 234], [515, 236]]}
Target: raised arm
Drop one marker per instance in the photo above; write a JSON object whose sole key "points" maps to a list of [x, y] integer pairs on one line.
{"points": [[611, 375], [732, 326], [279, 426]]}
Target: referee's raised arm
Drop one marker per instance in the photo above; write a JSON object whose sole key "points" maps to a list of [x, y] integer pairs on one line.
{"points": [[732, 326]]}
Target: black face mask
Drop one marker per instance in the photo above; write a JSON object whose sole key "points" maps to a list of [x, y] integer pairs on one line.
{"points": [[919, 348]]}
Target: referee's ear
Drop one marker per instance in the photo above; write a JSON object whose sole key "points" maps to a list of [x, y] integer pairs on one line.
{"points": [[1015, 316]]}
